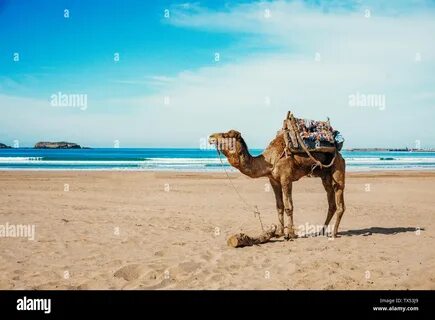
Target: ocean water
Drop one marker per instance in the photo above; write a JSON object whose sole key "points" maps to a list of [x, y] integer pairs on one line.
{"points": [[137, 159]]}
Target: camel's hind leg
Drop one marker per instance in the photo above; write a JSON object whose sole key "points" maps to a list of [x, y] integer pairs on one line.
{"points": [[327, 184], [338, 183]]}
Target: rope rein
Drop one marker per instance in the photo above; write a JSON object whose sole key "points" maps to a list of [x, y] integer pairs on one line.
{"points": [[256, 211]]}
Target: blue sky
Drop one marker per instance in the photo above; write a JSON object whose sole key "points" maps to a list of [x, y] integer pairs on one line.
{"points": [[79, 50], [308, 56]]}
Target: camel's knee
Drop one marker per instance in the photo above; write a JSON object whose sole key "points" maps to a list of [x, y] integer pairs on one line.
{"points": [[289, 211], [338, 186], [281, 216], [339, 213]]}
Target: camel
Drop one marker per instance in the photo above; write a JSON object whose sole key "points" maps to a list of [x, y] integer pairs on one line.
{"points": [[282, 171]]}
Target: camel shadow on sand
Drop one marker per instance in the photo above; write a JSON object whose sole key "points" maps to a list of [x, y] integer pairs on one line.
{"points": [[357, 232], [369, 231], [379, 230]]}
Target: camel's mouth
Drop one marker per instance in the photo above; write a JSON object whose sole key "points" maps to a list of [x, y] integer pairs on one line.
{"points": [[224, 141]]}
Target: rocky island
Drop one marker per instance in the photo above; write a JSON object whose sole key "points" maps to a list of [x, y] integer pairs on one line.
{"points": [[57, 145], [3, 146]]}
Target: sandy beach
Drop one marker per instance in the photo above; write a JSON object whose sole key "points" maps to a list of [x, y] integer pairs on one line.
{"points": [[167, 230]]}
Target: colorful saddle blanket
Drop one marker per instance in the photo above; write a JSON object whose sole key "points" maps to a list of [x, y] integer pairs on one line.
{"points": [[316, 135], [315, 130]]}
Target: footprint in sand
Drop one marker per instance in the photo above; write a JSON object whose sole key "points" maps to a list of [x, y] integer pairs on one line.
{"points": [[129, 272]]}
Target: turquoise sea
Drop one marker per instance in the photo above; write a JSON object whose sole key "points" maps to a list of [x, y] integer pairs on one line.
{"points": [[183, 159]]}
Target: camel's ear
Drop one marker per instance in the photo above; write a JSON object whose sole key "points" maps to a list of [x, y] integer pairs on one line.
{"points": [[234, 134]]}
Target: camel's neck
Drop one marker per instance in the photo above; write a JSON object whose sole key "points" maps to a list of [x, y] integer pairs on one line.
{"points": [[254, 167], [259, 166]]}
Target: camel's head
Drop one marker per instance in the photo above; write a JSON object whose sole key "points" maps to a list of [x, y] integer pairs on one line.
{"points": [[229, 143]]}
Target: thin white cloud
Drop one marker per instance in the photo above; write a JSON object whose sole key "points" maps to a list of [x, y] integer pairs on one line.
{"points": [[301, 28]]}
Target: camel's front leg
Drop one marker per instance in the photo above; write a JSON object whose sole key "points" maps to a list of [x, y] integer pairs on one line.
{"points": [[289, 231], [276, 186]]}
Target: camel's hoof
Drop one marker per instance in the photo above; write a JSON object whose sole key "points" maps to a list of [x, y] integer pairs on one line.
{"points": [[334, 236], [290, 236], [321, 233], [279, 233]]}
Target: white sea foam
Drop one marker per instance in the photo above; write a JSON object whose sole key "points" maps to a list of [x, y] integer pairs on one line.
{"points": [[19, 159], [198, 164], [194, 161]]}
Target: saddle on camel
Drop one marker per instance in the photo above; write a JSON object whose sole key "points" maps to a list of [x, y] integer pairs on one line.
{"points": [[306, 136]]}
